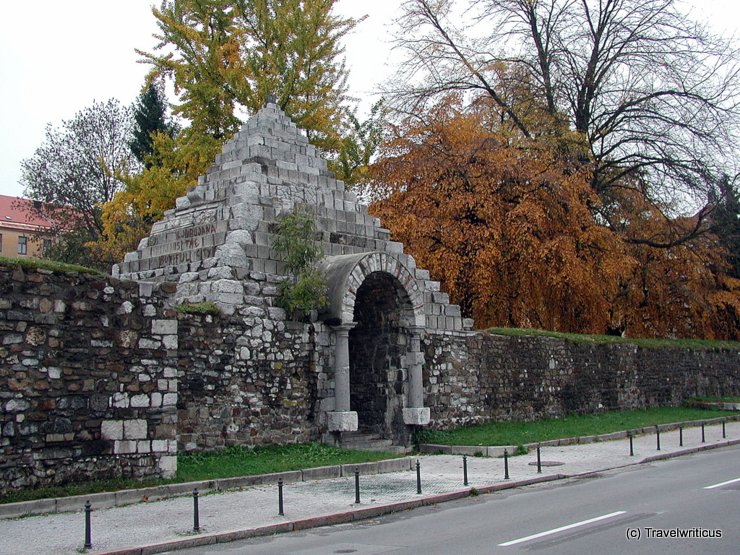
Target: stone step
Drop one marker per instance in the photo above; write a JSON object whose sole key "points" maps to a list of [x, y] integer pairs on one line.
{"points": [[369, 442]]}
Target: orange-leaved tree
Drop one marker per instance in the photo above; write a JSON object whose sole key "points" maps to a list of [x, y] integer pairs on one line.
{"points": [[510, 227]]}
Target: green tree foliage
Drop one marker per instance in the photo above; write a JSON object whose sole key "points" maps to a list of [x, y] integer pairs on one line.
{"points": [[226, 56], [76, 171], [295, 242], [150, 117], [359, 145], [726, 220]]}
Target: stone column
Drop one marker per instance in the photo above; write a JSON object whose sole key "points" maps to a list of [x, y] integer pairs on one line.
{"points": [[416, 413], [342, 419]]}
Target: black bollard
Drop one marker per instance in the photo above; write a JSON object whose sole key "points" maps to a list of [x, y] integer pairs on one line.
{"points": [[632, 449], [539, 461], [680, 436], [465, 470], [357, 486], [281, 512], [418, 477], [724, 434], [657, 436], [196, 514], [702, 433], [88, 531], [506, 464]]}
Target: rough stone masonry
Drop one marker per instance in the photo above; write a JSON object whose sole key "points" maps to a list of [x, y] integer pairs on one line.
{"points": [[101, 377], [216, 244]]}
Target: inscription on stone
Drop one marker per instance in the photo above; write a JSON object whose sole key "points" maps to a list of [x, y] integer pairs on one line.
{"points": [[196, 231], [176, 258], [187, 242]]}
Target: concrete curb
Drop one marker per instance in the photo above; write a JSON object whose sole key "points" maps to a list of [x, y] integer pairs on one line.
{"points": [[498, 450], [324, 520], [157, 493]]}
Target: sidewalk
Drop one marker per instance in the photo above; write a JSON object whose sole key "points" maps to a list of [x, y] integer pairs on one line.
{"points": [[154, 527]]}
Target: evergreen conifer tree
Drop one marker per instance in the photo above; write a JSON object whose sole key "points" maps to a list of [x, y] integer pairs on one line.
{"points": [[150, 116]]}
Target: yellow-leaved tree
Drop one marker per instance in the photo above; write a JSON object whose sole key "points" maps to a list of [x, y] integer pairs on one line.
{"points": [[224, 57]]}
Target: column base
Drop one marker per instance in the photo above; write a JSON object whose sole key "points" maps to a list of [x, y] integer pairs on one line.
{"points": [[420, 416], [342, 421]]}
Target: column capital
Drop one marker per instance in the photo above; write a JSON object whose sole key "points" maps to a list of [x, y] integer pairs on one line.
{"points": [[344, 328]]}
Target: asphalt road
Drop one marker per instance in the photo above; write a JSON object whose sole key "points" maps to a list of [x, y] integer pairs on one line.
{"points": [[601, 515]]}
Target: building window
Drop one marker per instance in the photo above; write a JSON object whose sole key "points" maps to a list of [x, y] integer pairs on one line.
{"points": [[47, 246], [1, 243], [22, 245]]}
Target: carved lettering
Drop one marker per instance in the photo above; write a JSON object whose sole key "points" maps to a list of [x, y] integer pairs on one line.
{"points": [[196, 231], [177, 258]]}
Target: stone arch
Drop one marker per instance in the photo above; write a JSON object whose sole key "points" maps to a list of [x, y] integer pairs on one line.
{"points": [[346, 273], [376, 309]]}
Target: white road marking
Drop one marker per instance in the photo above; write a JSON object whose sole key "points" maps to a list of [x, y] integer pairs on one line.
{"points": [[723, 484], [556, 530]]}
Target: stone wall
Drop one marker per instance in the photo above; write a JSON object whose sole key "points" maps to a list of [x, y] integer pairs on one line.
{"points": [[88, 378], [470, 378], [101, 378], [245, 379]]}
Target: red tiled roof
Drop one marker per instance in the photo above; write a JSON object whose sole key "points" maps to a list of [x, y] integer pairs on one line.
{"points": [[18, 213]]}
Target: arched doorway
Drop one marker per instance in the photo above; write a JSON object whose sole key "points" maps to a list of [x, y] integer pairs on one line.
{"points": [[378, 348], [376, 315]]}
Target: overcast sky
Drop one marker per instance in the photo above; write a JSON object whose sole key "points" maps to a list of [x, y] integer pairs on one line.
{"points": [[57, 56]]}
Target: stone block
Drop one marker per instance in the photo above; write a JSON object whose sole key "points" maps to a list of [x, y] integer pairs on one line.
{"points": [[124, 447], [111, 429], [169, 342], [145, 343], [342, 421], [135, 429], [169, 399], [417, 416], [167, 466], [164, 327], [140, 401]]}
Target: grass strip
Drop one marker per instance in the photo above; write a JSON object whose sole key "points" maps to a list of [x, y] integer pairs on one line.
{"points": [[611, 339], [520, 433], [49, 265], [241, 461], [229, 463], [725, 399]]}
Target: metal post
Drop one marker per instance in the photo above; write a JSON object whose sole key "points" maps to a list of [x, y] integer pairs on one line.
{"points": [[196, 515], [657, 436], [539, 461], [280, 498], [702, 433], [357, 486], [506, 464], [88, 532], [724, 434], [680, 436], [418, 477], [632, 449], [465, 470]]}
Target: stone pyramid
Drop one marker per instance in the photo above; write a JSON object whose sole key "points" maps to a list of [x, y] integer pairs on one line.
{"points": [[216, 242]]}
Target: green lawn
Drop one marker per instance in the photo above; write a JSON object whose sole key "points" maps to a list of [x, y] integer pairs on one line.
{"points": [[231, 462], [50, 265], [611, 339], [726, 399], [520, 433], [239, 461]]}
